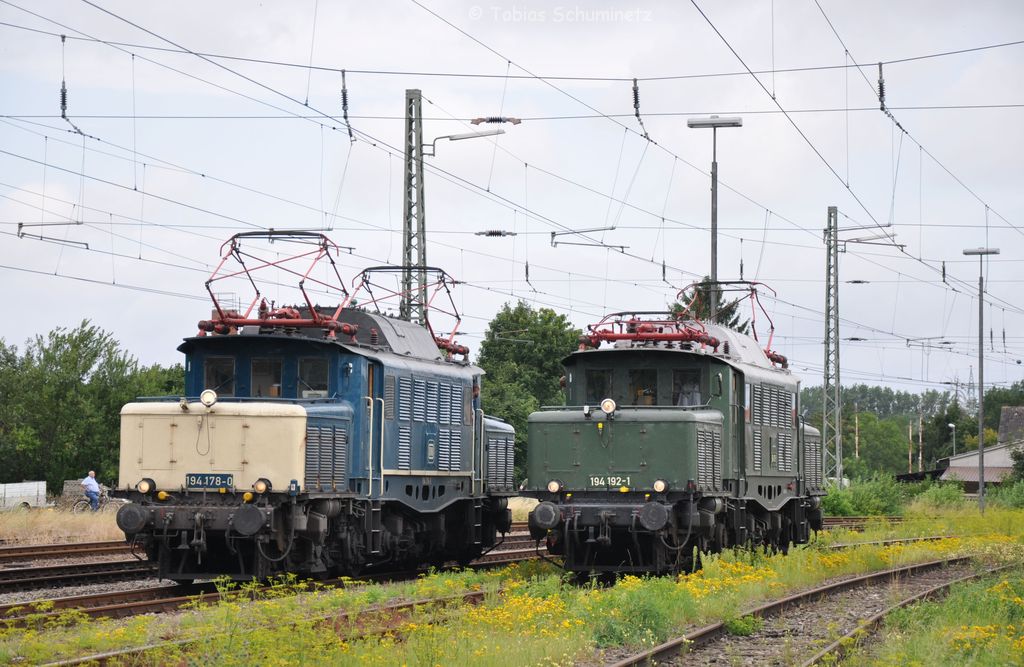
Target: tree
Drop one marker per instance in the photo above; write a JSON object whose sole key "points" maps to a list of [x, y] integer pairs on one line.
{"points": [[883, 447], [522, 355], [60, 404], [697, 304]]}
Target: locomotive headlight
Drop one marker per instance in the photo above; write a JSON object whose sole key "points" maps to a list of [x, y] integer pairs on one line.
{"points": [[208, 397], [146, 485], [554, 486], [262, 485], [660, 485], [608, 406]]}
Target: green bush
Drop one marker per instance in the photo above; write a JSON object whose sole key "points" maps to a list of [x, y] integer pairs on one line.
{"points": [[876, 496], [838, 502], [942, 495], [1009, 495]]}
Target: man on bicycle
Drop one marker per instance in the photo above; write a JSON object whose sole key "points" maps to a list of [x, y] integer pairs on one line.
{"points": [[92, 490]]}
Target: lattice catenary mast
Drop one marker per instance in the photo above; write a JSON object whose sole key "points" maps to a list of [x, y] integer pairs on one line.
{"points": [[414, 217], [831, 398]]}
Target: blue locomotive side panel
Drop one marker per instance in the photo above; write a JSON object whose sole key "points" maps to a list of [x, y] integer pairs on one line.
{"points": [[342, 451]]}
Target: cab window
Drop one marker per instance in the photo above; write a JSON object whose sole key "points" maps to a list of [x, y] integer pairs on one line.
{"points": [[686, 387], [599, 385], [643, 386], [313, 378], [220, 375], [266, 378]]}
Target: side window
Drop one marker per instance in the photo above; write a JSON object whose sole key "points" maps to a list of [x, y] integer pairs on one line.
{"points": [[313, 377], [749, 404], [599, 385], [220, 375], [643, 386], [266, 378], [686, 387]]}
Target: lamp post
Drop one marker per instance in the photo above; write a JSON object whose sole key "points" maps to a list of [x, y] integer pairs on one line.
{"points": [[953, 426], [981, 252], [460, 137], [714, 122]]}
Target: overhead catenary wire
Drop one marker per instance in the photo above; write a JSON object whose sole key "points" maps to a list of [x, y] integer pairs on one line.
{"points": [[484, 75]]}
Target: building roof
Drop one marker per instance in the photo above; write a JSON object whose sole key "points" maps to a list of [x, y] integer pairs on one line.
{"points": [[995, 457], [965, 473]]}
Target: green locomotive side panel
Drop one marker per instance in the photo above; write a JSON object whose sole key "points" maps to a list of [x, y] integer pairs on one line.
{"points": [[632, 449]]}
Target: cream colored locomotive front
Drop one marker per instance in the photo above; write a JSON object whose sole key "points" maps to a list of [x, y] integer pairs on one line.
{"points": [[166, 442]]}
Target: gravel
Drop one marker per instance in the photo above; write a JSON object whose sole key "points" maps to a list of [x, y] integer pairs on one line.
{"points": [[797, 633]]}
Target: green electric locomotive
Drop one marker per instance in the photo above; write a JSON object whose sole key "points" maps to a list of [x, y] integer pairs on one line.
{"points": [[676, 435]]}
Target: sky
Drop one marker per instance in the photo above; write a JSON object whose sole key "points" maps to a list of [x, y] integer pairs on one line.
{"points": [[189, 122]]}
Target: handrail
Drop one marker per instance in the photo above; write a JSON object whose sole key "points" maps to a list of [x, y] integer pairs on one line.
{"points": [[381, 485], [369, 447]]}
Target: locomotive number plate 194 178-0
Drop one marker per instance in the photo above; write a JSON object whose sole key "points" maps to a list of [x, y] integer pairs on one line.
{"points": [[209, 480]]}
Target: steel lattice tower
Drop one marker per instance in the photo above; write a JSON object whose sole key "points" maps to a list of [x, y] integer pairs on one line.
{"points": [[414, 216], [831, 398]]}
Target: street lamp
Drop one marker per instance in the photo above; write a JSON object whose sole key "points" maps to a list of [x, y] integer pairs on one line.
{"points": [[460, 137], [981, 252], [714, 122], [953, 426]]}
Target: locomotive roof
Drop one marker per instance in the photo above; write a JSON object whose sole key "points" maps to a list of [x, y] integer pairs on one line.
{"points": [[399, 337], [736, 349]]}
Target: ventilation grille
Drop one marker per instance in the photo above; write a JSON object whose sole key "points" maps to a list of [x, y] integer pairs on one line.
{"points": [[772, 406], [449, 449], [709, 459], [455, 405], [758, 450], [326, 458], [404, 448], [405, 399], [445, 401], [427, 401], [812, 459], [419, 400], [389, 397], [785, 452], [500, 457]]}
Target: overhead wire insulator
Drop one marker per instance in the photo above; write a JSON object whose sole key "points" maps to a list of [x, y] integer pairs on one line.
{"points": [[881, 89], [63, 100], [344, 106], [496, 119], [496, 232], [636, 108]]}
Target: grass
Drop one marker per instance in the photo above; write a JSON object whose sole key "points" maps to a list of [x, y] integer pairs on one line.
{"points": [[521, 508], [44, 526], [979, 623], [537, 618]]}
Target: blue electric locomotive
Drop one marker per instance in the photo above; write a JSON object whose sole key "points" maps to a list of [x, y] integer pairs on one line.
{"points": [[314, 441]]}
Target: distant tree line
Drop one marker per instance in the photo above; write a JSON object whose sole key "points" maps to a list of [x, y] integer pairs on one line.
{"points": [[61, 396], [881, 416], [60, 404]]}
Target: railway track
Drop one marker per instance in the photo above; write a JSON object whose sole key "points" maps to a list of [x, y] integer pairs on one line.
{"points": [[857, 522], [162, 599], [29, 578], [68, 550], [810, 620]]}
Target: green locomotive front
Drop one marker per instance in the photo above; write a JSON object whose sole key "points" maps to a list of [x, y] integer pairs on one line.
{"points": [[676, 435]]}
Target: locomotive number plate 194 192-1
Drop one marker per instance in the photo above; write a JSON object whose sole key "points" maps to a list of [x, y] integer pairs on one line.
{"points": [[209, 480], [606, 480]]}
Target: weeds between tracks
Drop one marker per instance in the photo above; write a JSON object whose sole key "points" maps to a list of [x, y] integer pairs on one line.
{"points": [[538, 618]]}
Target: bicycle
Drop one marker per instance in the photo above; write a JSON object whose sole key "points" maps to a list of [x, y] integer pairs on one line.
{"points": [[84, 505]]}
